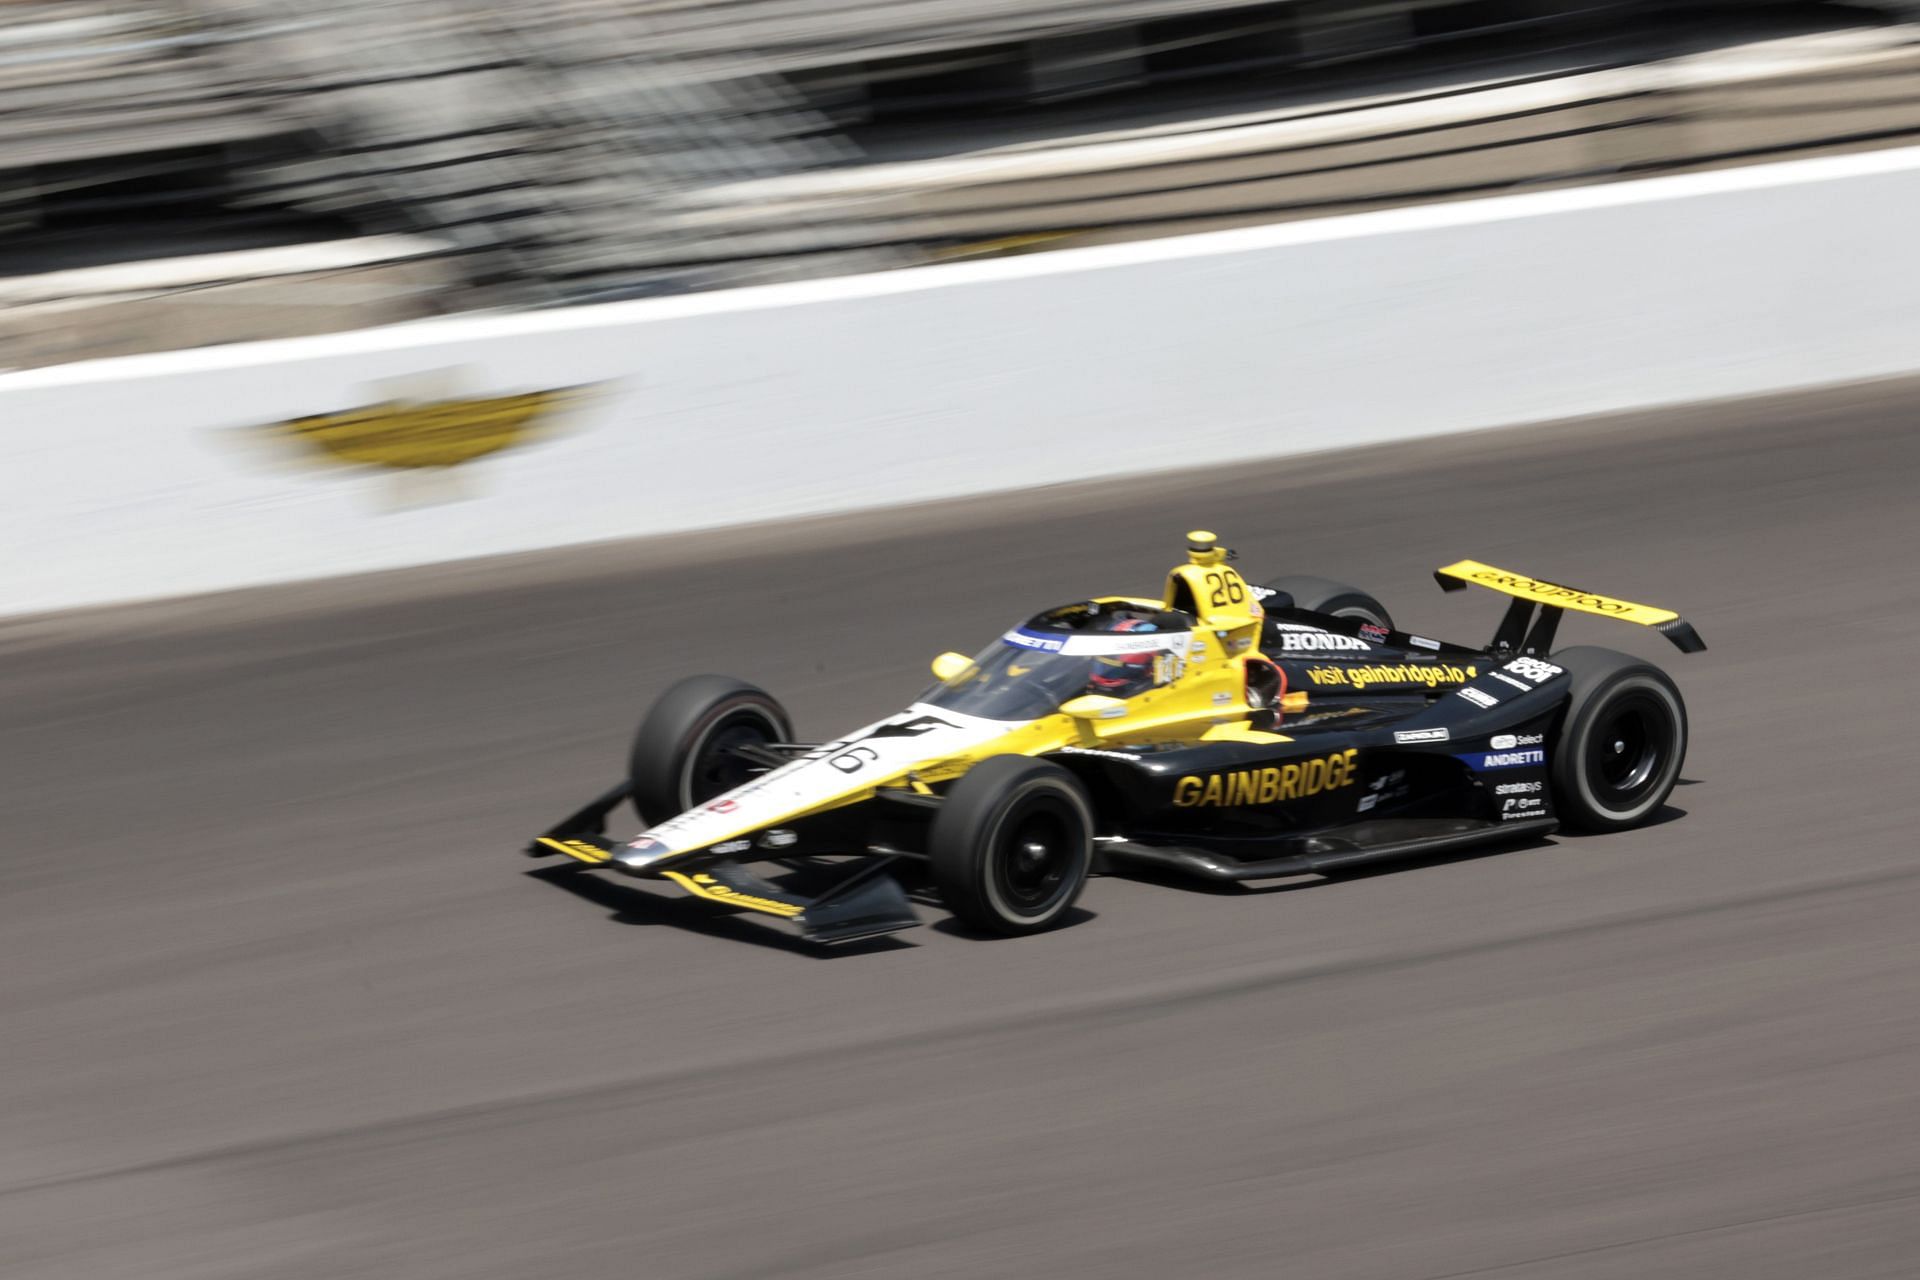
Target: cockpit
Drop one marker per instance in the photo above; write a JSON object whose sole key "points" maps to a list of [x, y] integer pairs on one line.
{"points": [[1118, 649]]}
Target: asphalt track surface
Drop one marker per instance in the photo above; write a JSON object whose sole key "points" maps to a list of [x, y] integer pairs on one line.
{"points": [[281, 999]]}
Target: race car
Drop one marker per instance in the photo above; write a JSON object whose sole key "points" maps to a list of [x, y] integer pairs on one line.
{"points": [[1224, 731]]}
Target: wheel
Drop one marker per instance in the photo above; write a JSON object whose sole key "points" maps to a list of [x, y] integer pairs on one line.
{"points": [[1012, 845], [682, 756], [1621, 743], [1336, 598]]}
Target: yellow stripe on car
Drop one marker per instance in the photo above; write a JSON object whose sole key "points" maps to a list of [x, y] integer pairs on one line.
{"points": [[579, 849], [705, 886]]}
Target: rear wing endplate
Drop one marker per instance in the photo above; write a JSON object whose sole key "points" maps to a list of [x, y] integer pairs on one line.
{"points": [[1553, 597]]}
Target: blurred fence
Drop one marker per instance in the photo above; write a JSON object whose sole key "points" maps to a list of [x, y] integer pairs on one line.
{"points": [[1812, 96], [538, 150], [533, 146], [519, 156], [109, 107]]}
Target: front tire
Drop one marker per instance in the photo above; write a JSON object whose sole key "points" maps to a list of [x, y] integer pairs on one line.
{"points": [[1323, 595], [682, 756], [1012, 845], [1621, 743]]}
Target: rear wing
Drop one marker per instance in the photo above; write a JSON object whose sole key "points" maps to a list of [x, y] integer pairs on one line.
{"points": [[1552, 598]]}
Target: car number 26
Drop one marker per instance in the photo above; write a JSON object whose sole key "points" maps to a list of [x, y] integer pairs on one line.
{"points": [[1226, 589]]}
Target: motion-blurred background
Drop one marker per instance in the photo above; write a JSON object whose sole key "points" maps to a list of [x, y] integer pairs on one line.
{"points": [[280, 1000], [184, 172]]}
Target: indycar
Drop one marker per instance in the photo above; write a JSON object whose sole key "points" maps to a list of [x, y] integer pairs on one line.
{"points": [[1222, 731]]}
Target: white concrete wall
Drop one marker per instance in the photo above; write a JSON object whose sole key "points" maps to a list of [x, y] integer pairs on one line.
{"points": [[154, 475]]}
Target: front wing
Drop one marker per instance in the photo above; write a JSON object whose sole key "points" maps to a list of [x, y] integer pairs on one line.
{"points": [[864, 904]]}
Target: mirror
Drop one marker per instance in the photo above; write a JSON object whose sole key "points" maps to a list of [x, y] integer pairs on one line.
{"points": [[1094, 706], [952, 668]]}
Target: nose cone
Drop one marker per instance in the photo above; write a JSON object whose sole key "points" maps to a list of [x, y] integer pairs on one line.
{"points": [[640, 853]]}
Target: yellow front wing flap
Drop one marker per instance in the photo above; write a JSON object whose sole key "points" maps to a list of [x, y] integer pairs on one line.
{"points": [[579, 850], [703, 885]]}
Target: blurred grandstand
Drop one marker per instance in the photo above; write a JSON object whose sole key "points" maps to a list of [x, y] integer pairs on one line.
{"points": [[182, 172]]}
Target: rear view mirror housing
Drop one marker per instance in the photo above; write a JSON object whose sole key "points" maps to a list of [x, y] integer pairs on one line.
{"points": [[1094, 706], [952, 668], [1088, 711]]}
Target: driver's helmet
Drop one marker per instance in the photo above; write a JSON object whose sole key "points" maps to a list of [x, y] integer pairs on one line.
{"points": [[1121, 675]]}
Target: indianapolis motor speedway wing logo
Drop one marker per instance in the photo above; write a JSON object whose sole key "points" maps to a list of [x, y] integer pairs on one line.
{"points": [[415, 432]]}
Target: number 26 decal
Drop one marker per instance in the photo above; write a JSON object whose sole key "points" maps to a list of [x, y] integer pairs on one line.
{"points": [[853, 759], [1226, 589]]}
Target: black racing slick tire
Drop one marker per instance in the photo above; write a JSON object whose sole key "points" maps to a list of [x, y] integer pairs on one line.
{"points": [[1012, 845], [682, 756], [1621, 743], [1323, 595]]}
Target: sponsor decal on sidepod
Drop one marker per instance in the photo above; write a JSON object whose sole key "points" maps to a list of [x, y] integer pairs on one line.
{"points": [[1481, 761], [1508, 741], [1534, 669], [1265, 786], [1320, 641], [1427, 674]]}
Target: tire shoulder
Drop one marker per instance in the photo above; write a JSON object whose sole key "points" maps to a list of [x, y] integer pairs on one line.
{"points": [[653, 763], [973, 802], [1594, 671], [1324, 595]]}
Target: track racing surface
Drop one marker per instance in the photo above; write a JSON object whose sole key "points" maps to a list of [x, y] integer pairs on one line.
{"points": [[281, 999]]}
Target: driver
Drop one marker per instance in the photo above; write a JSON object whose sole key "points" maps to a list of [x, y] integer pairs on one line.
{"points": [[1121, 675]]}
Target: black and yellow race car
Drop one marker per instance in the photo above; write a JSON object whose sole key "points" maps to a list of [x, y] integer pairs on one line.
{"points": [[1221, 730]]}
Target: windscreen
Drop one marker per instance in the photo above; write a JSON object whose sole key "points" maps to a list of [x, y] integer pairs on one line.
{"points": [[1027, 674], [1015, 684]]}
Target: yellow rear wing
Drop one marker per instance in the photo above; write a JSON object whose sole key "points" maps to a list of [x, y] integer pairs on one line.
{"points": [[1556, 596]]}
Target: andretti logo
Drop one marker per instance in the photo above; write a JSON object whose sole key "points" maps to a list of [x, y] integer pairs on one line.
{"points": [[1483, 760]]}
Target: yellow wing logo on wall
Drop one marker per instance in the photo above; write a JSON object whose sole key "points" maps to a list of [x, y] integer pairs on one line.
{"points": [[439, 433]]}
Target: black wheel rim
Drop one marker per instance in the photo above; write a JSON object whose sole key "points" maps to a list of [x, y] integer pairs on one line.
{"points": [[1627, 752], [1036, 857], [720, 767]]}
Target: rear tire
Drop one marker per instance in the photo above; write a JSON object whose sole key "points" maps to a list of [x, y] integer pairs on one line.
{"points": [[681, 755], [1012, 845], [1622, 741], [1323, 595]]}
